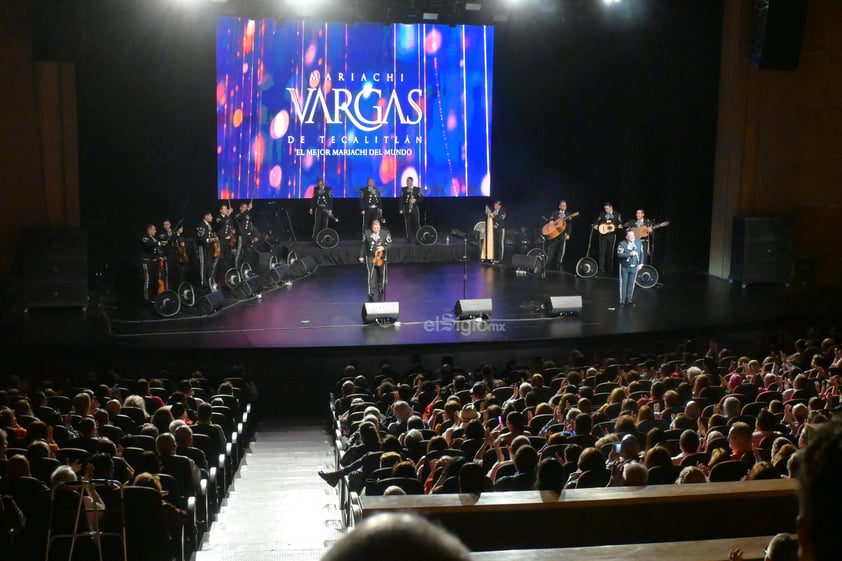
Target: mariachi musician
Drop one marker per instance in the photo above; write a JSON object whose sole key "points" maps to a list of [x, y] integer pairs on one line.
{"points": [[175, 252], [321, 206], [557, 232], [150, 253], [642, 227], [248, 235], [209, 250], [371, 203], [375, 244], [410, 197], [607, 224], [495, 234], [224, 226], [631, 257]]}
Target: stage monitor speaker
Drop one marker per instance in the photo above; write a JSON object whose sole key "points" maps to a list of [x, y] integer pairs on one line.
{"points": [[563, 306], [761, 250], [386, 311], [529, 263], [476, 308], [777, 33], [211, 302], [249, 287], [302, 267]]}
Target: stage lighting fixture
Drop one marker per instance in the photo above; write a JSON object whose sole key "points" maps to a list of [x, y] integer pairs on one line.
{"points": [[473, 6], [430, 16]]}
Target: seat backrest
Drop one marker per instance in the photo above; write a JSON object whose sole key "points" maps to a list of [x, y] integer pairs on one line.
{"points": [[43, 468], [145, 441], [730, 470], [111, 432], [207, 445], [410, 485], [539, 421], [126, 424], [145, 521], [229, 400], [69, 455], [663, 475], [180, 467], [60, 403], [223, 421], [590, 479], [132, 454], [766, 397], [695, 459], [553, 451], [471, 446], [503, 393], [135, 414]]}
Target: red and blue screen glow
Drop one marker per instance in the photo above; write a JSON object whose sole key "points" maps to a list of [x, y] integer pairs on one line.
{"points": [[300, 100]]}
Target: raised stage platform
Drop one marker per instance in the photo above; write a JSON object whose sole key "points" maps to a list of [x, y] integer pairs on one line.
{"points": [[323, 310]]}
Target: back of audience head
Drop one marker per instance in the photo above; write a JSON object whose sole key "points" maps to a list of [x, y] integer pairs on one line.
{"points": [[526, 459], [820, 493], [471, 478], [635, 474], [782, 547], [657, 456], [591, 459], [407, 537], [62, 474], [691, 474], [551, 476], [37, 450], [17, 466], [689, 441]]}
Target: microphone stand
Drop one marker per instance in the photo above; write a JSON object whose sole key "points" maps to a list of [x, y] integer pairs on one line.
{"points": [[465, 268]]}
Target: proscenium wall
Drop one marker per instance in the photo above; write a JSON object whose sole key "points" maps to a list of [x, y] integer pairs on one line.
{"points": [[780, 139]]}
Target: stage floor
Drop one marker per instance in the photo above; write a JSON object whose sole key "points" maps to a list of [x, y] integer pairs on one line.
{"points": [[324, 310]]}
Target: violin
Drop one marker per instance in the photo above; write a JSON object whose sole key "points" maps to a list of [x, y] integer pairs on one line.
{"points": [[162, 285], [182, 252], [232, 238], [378, 258], [216, 250]]}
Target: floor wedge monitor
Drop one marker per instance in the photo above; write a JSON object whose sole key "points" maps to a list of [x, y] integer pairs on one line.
{"points": [[380, 311], [476, 308], [563, 305]]}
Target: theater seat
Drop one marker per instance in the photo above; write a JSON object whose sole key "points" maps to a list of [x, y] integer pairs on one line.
{"points": [[731, 470]]}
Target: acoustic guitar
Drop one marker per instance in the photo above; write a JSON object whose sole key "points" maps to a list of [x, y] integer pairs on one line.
{"points": [[641, 232], [554, 228], [606, 228]]}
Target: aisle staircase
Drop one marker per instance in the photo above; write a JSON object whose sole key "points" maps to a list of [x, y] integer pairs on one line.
{"points": [[277, 507]]}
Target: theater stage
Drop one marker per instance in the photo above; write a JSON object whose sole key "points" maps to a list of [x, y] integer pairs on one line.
{"points": [[323, 310]]}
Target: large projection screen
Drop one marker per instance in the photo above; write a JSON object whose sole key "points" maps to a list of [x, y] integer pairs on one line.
{"points": [[299, 100]]}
